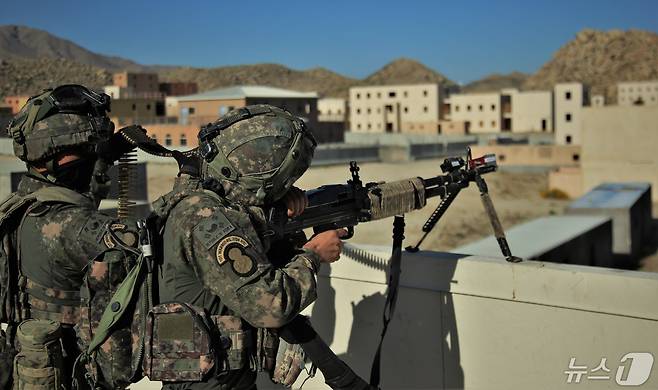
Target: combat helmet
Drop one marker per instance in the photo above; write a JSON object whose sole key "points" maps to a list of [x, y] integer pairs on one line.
{"points": [[256, 152], [69, 117]]}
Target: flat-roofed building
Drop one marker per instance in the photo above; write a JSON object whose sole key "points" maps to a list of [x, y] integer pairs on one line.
{"points": [[480, 112], [395, 108], [637, 93], [178, 88], [332, 110], [137, 110], [15, 102], [137, 82], [569, 99], [531, 111], [207, 106]]}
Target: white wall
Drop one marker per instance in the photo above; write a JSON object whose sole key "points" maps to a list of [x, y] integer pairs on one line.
{"points": [[532, 111], [569, 100], [628, 93]]}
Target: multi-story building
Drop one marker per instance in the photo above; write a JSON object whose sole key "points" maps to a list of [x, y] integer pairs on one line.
{"points": [[332, 110], [137, 110], [637, 93], [395, 108], [531, 111], [137, 82], [178, 88], [479, 112], [15, 102], [208, 106], [569, 99]]}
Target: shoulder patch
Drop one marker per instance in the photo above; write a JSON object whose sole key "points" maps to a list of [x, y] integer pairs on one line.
{"points": [[212, 229], [232, 249], [95, 227], [121, 232]]}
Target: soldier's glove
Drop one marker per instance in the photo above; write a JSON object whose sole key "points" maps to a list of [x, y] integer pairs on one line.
{"points": [[187, 164]]}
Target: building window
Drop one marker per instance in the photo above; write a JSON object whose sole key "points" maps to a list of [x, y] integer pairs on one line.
{"points": [[148, 107], [567, 117], [134, 107], [358, 110], [406, 109], [468, 107], [481, 107], [576, 157], [567, 95], [368, 95], [411, 126], [358, 126], [167, 139], [425, 93], [191, 110], [406, 94], [389, 108], [493, 123], [481, 124], [456, 108], [391, 94], [379, 94], [358, 96], [425, 109], [368, 111], [369, 126], [183, 140], [379, 110], [493, 107], [567, 139]]}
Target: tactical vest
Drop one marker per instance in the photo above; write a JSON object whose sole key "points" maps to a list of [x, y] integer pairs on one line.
{"points": [[20, 297]]}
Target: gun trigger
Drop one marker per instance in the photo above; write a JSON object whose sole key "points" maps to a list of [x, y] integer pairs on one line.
{"points": [[350, 233]]}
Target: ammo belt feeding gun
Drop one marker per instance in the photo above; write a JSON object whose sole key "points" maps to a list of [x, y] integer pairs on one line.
{"points": [[337, 206]]}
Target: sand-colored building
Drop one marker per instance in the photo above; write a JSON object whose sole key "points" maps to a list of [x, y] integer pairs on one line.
{"points": [[531, 111], [532, 155], [15, 102], [606, 157], [480, 112], [637, 93], [569, 100], [332, 110], [207, 106], [178, 88], [395, 108], [136, 82]]}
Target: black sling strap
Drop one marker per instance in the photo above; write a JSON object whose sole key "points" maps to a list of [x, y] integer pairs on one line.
{"points": [[395, 269]]}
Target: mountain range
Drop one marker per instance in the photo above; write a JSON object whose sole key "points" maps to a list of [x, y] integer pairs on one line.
{"points": [[32, 59]]}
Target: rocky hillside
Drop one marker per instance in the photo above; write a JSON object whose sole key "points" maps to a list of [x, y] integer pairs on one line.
{"points": [[406, 71], [496, 82], [29, 43], [324, 81], [28, 76], [601, 59]]}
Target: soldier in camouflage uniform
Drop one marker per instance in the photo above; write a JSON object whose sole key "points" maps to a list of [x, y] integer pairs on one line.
{"points": [[59, 134], [215, 239]]}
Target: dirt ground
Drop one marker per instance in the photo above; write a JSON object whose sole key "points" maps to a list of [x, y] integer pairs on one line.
{"points": [[515, 195]]}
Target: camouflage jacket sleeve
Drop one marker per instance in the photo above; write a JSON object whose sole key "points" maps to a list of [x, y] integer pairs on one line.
{"points": [[75, 235], [229, 258]]}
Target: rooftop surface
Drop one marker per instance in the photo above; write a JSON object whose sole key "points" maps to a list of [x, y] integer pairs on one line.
{"points": [[247, 91], [612, 196], [534, 238]]}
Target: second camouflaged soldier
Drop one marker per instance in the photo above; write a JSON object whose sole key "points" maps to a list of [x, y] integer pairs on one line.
{"points": [[51, 231], [215, 238]]}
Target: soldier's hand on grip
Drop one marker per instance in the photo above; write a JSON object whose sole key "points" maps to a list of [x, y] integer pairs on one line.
{"points": [[296, 201], [327, 245]]}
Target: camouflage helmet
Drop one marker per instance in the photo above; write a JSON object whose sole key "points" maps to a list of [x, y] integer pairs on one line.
{"points": [[256, 152], [67, 117]]}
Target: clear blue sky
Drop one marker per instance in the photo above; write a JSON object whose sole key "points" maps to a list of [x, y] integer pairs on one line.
{"points": [[463, 40]]}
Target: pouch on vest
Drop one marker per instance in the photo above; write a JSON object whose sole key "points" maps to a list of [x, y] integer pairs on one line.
{"points": [[290, 360], [235, 342], [178, 343], [38, 364]]}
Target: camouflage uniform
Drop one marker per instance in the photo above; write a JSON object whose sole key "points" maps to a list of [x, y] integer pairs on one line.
{"points": [[215, 249], [62, 232]]}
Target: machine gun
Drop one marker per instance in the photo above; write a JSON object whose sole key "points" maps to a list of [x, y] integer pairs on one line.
{"points": [[337, 206]]}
